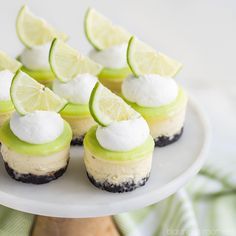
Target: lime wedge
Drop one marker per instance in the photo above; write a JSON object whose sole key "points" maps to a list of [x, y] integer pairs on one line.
{"points": [[8, 63], [106, 107], [34, 31], [66, 62], [28, 95], [101, 33], [143, 59]]}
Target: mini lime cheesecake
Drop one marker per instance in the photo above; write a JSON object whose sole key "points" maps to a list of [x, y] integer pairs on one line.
{"points": [[8, 67], [75, 78], [110, 43], [154, 93], [36, 34], [36, 140], [117, 152]]}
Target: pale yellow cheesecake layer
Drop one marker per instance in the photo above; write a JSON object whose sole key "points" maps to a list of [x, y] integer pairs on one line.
{"points": [[79, 125], [117, 172], [37, 165], [169, 126]]}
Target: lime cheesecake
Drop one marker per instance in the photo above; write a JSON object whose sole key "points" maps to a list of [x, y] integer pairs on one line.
{"points": [[36, 35], [118, 151], [36, 140], [154, 93], [8, 67], [110, 43], [75, 78]]}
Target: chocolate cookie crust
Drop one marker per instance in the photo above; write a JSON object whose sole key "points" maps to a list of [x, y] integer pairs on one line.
{"points": [[165, 140], [123, 187], [34, 179]]}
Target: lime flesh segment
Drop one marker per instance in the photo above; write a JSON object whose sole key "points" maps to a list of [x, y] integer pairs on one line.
{"points": [[101, 33], [8, 63], [10, 140], [91, 144], [106, 107], [34, 31], [143, 59], [28, 95], [66, 62]]}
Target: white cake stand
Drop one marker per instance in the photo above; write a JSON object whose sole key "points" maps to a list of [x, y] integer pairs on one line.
{"points": [[73, 196]]}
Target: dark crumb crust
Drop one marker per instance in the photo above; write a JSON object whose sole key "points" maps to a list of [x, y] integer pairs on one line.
{"points": [[123, 187], [165, 140], [35, 179], [77, 141]]}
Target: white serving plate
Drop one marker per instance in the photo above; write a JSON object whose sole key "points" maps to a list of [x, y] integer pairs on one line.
{"points": [[73, 196]]}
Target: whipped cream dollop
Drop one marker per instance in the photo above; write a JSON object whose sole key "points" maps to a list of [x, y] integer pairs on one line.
{"points": [[123, 135], [77, 90], [38, 127], [5, 83], [36, 58], [113, 57], [150, 90]]}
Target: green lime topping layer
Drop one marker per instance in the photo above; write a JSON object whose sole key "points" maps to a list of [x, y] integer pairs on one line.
{"points": [[80, 110], [115, 74], [91, 144], [164, 111], [6, 106], [42, 76], [11, 141]]}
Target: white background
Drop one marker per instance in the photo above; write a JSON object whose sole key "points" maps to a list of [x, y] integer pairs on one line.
{"points": [[201, 34]]}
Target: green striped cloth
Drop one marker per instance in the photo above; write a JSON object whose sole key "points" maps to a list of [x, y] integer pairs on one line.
{"points": [[206, 206]]}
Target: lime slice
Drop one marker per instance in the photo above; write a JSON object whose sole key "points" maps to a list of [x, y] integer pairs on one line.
{"points": [[28, 95], [34, 31], [106, 107], [66, 62], [8, 63], [143, 59], [101, 33]]}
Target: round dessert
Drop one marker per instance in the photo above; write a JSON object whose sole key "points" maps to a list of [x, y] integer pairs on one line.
{"points": [[36, 140], [76, 112], [35, 63], [35, 147], [118, 152], [161, 102], [110, 45], [115, 66], [75, 81], [155, 95], [8, 67], [36, 34]]}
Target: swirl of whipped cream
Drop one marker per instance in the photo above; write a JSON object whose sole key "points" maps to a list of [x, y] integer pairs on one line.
{"points": [[150, 90], [36, 58], [38, 127], [123, 135], [77, 90], [5, 83], [113, 57]]}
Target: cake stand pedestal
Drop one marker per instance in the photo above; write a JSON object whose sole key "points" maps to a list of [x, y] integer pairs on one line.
{"points": [[52, 226]]}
